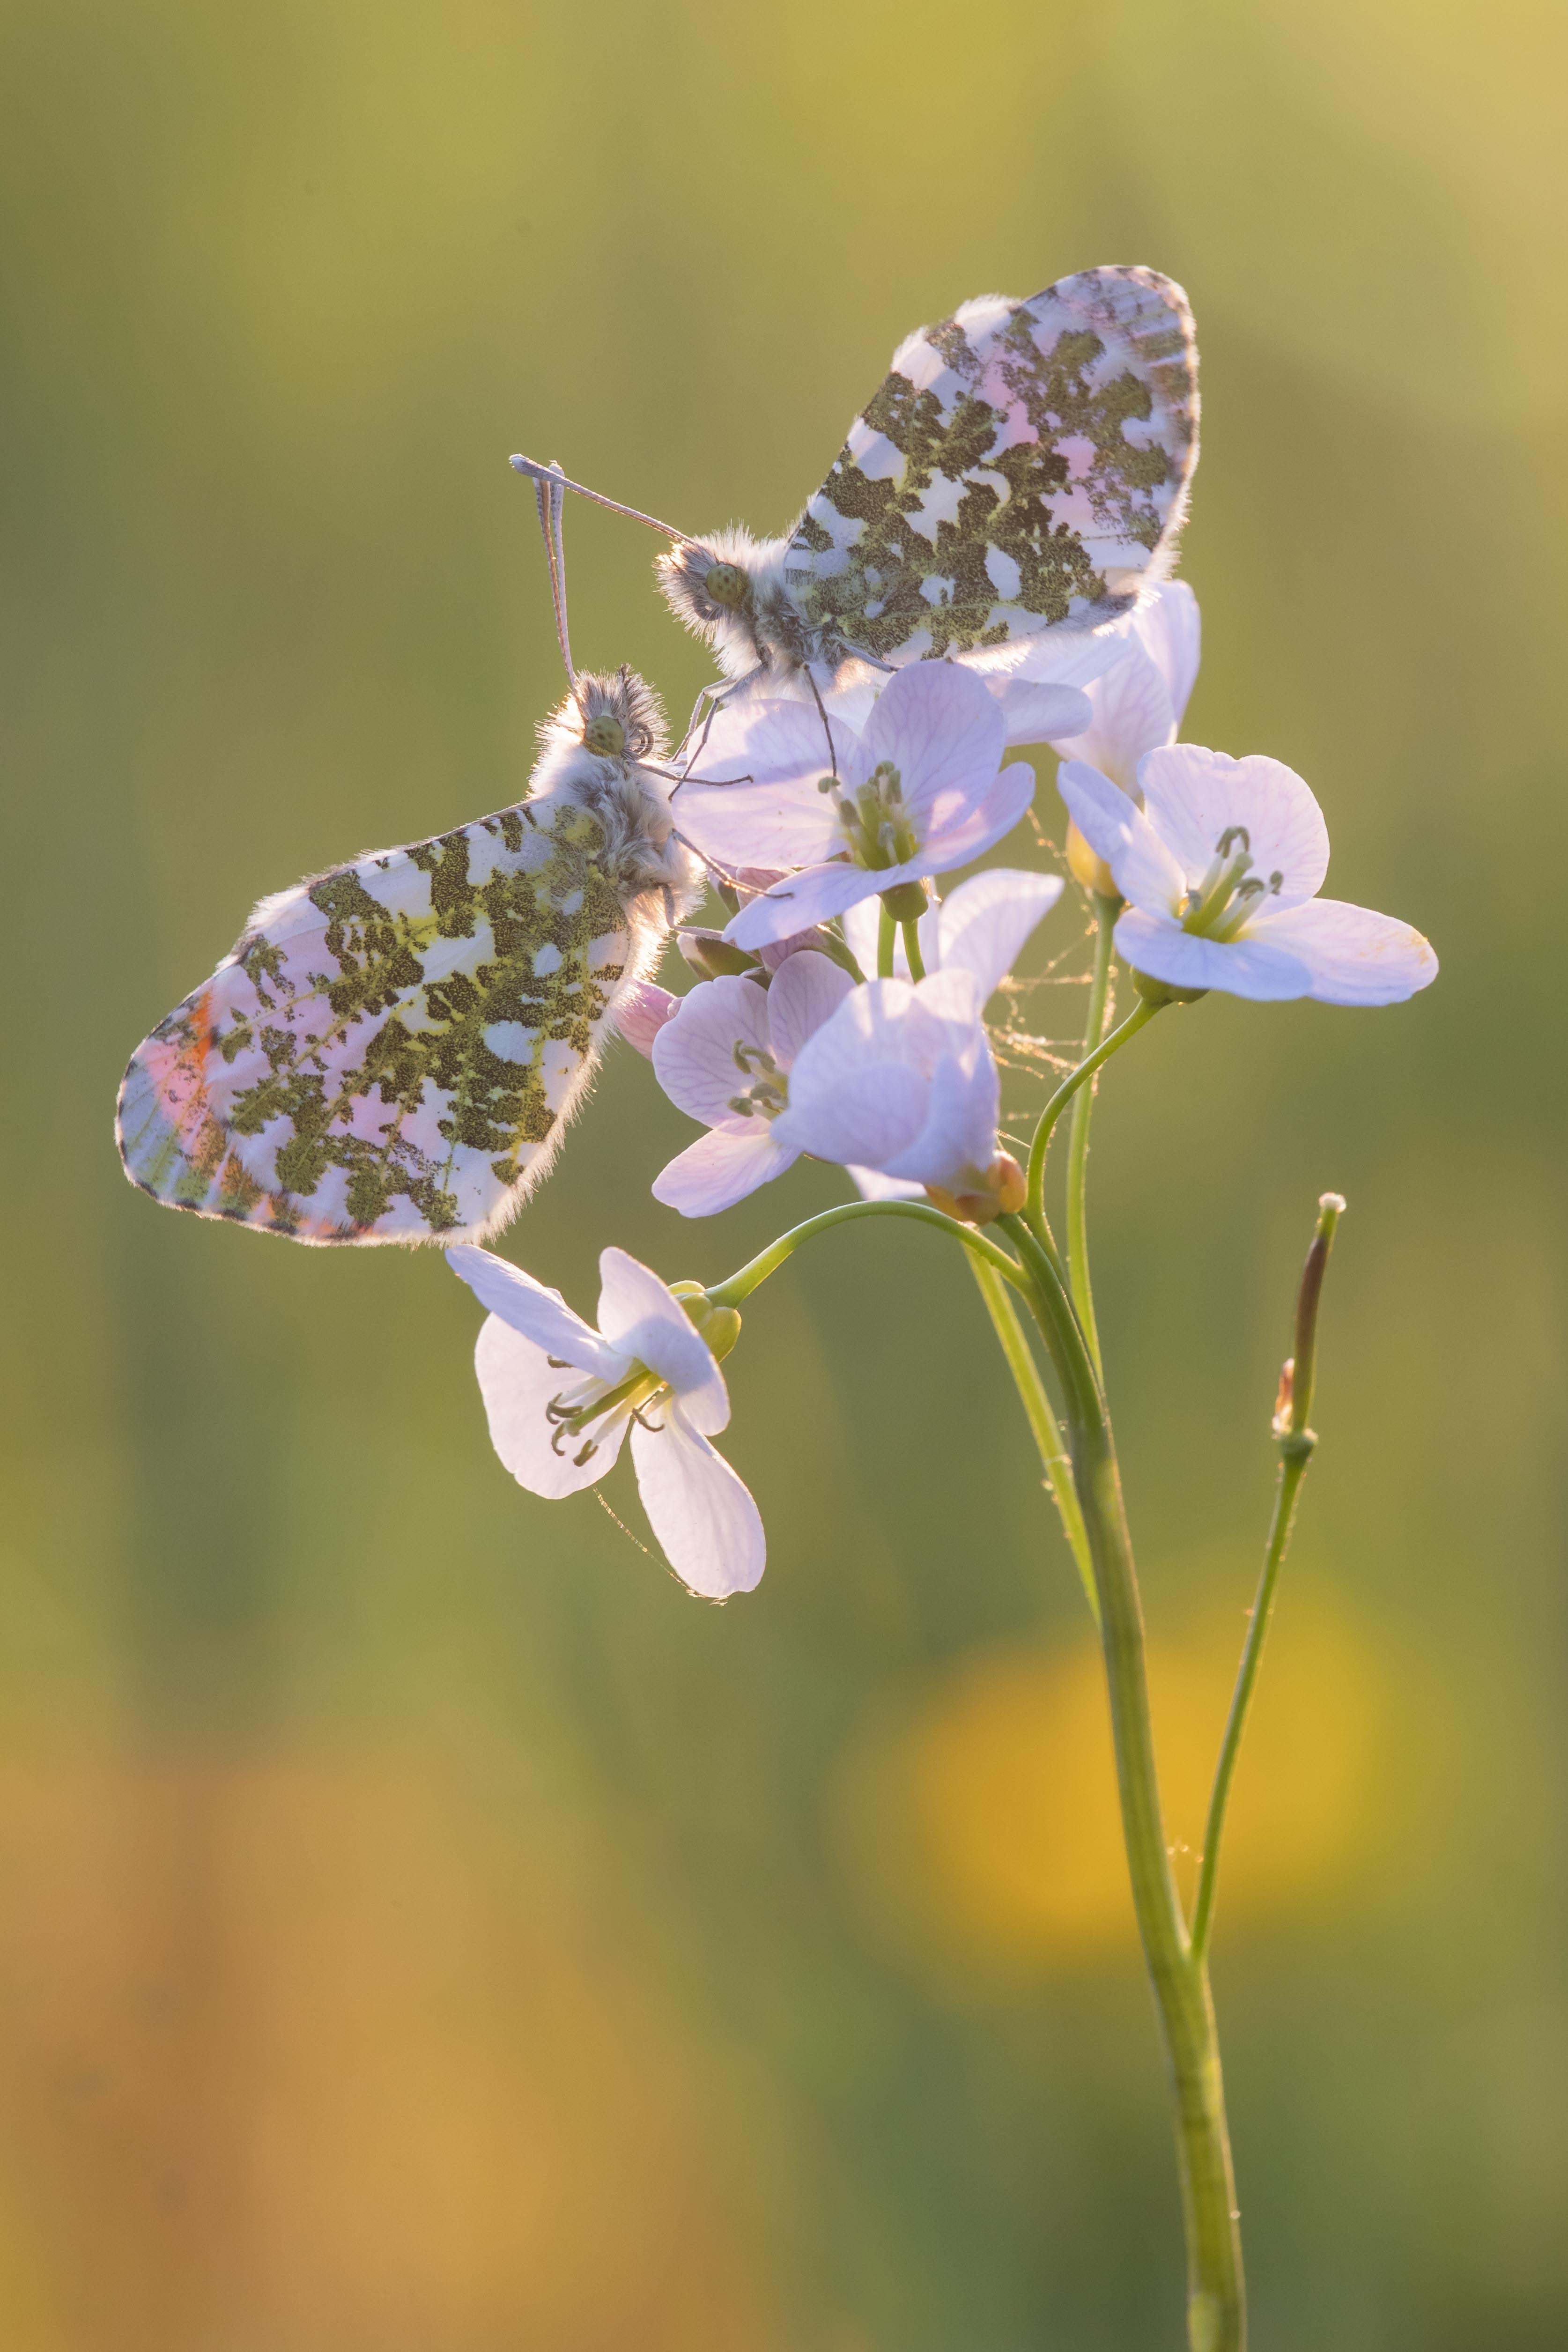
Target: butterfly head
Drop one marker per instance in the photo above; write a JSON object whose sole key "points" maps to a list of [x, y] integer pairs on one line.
{"points": [[729, 589]]}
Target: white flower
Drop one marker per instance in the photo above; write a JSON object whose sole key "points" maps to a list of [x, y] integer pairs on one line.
{"points": [[1139, 701], [1221, 869], [979, 928], [919, 790], [1037, 684], [726, 1059], [900, 1081], [642, 1008], [562, 1396]]}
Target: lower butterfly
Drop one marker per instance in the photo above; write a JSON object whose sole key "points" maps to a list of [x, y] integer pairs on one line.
{"points": [[390, 1052]]}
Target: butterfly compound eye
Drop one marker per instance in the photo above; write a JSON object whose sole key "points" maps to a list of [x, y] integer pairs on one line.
{"points": [[727, 584], [605, 736]]}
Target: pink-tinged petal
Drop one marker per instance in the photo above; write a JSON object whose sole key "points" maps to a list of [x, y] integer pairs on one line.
{"points": [[872, 1185], [958, 1141], [816, 895], [958, 830], [722, 1167], [756, 825], [984, 922], [708, 1526], [807, 991], [1168, 627], [694, 1055], [517, 1382], [1132, 714], [1036, 713], [1194, 797], [540, 1315], [1355, 956], [860, 1116], [942, 730], [1248, 966], [1117, 830], [640, 1012], [649, 1324], [779, 741]]}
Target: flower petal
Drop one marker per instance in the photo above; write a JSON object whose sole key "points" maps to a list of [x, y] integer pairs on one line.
{"points": [[984, 922], [708, 1526], [751, 796], [1132, 714], [806, 991], [942, 730], [694, 1055], [1248, 966], [1168, 627], [1355, 956], [872, 1185], [959, 830], [722, 1167], [1194, 797], [541, 1315], [814, 896], [1032, 712], [640, 1012], [648, 1323], [517, 1382], [864, 1114], [1117, 830], [958, 1141]]}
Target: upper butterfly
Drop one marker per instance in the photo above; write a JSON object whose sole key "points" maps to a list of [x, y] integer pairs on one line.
{"points": [[390, 1052], [1024, 467]]}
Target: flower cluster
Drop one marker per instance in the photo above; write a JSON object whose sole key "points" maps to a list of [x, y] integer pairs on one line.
{"points": [[840, 1016]]}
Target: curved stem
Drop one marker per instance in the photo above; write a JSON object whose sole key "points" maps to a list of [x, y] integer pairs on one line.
{"points": [[1139, 1018], [1216, 2320], [741, 1284], [1055, 1459], [1078, 1137], [912, 951]]}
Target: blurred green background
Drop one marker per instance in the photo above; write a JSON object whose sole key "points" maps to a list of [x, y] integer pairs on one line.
{"points": [[424, 1928]]}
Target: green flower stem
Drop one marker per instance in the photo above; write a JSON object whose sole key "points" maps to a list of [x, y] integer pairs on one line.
{"points": [[740, 1286], [1296, 1445], [1216, 2320], [886, 934], [1140, 1018], [1105, 913], [1055, 1459], [912, 950]]}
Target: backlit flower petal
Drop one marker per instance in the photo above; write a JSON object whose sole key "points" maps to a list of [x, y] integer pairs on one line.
{"points": [[694, 1055], [1168, 627], [517, 1382], [708, 1526], [1355, 956], [864, 1114], [1248, 966], [958, 1140], [644, 1319], [942, 729], [816, 895], [1032, 712], [984, 923], [722, 1167], [1133, 713], [541, 1315], [641, 1011], [1117, 830], [806, 991], [1194, 796]]}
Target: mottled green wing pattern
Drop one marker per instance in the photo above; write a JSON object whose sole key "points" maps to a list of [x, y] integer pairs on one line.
{"points": [[1025, 466], [391, 1051]]}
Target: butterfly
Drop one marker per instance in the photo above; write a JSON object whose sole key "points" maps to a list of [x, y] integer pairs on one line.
{"points": [[391, 1051], [1023, 468]]}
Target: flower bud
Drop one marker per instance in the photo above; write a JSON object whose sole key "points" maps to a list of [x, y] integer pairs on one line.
{"points": [[1155, 991], [907, 902], [641, 1011], [1088, 867], [1006, 1190], [720, 1326], [711, 955]]}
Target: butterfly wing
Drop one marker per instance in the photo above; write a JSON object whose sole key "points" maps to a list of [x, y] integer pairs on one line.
{"points": [[1025, 465], [390, 1052]]}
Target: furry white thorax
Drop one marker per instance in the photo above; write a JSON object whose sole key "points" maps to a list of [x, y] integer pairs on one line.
{"points": [[768, 630], [657, 880]]}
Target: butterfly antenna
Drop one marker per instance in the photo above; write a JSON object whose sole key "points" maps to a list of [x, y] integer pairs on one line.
{"points": [[547, 492], [537, 473]]}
